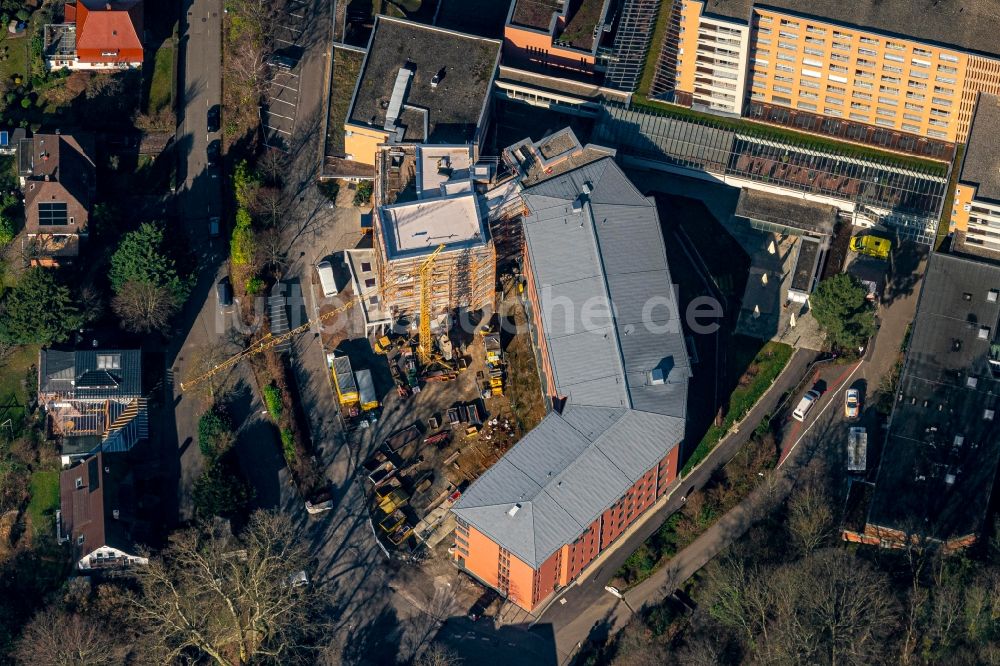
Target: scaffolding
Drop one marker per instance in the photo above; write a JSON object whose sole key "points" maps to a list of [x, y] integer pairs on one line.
{"points": [[631, 43]]}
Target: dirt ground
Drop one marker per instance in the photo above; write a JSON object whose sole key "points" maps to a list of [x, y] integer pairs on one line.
{"points": [[467, 453]]}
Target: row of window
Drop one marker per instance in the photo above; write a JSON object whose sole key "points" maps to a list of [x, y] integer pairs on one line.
{"points": [[787, 25]]}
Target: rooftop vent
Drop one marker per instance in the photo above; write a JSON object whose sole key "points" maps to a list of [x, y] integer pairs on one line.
{"points": [[115, 514], [984, 333], [959, 440], [966, 296], [971, 382], [513, 510], [992, 295], [988, 414], [656, 377], [949, 479]]}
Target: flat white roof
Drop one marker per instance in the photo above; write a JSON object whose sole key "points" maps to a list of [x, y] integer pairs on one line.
{"points": [[417, 227], [439, 164]]}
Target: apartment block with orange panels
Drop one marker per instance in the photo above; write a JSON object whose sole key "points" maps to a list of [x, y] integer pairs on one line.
{"points": [[615, 370], [555, 34], [898, 66], [975, 213]]}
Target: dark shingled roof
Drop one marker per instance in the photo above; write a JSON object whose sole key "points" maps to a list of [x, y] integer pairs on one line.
{"points": [[981, 164], [88, 510], [454, 108], [942, 452], [76, 375]]}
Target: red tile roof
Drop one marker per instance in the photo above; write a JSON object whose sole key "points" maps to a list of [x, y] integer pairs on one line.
{"points": [[109, 32]]}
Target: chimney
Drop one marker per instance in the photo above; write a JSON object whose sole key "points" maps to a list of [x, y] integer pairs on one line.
{"points": [[46, 178]]}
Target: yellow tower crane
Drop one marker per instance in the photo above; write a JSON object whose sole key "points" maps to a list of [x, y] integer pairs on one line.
{"points": [[425, 345], [262, 345]]}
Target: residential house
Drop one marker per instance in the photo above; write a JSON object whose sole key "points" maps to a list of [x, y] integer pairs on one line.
{"points": [[58, 179], [96, 35], [93, 399], [97, 513]]}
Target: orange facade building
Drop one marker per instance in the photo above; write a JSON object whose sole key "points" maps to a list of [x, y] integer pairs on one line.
{"points": [[897, 67], [615, 368], [555, 34]]}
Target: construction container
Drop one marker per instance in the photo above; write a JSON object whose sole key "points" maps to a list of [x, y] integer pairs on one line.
{"points": [[366, 390], [493, 353], [343, 379]]}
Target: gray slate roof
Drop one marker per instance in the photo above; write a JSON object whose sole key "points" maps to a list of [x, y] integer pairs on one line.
{"points": [[75, 375], [929, 483], [981, 164], [582, 260], [564, 474], [617, 425]]}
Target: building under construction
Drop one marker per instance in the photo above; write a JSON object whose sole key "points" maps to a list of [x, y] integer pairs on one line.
{"points": [[428, 197]]}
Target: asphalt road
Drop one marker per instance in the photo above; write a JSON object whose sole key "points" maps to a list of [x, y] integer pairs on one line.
{"points": [[199, 197]]}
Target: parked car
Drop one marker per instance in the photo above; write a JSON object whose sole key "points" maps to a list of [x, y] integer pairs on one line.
{"points": [[805, 404], [852, 403], [212, 153], [224, 291], [214, 118], [326, 279]]}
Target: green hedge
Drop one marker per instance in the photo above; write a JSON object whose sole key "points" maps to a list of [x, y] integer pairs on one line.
{"points": [[288, 445], [272, 398], [770, 361]]}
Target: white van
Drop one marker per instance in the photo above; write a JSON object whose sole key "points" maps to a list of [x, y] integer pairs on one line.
{"points": [[805, 404], [326, 281]]}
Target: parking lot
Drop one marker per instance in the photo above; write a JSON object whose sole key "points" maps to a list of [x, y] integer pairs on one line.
{"points": [[278, 115]]}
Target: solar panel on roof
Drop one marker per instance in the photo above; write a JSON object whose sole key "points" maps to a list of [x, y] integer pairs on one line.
{"points": [[52, 213]]}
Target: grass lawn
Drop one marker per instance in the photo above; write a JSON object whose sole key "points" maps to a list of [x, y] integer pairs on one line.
{"points": [[44, 500], [655, 46], [944, 224], [801, 139], [13, 371], [16, 51], [161, 86], [755, 377], [346, 67]]}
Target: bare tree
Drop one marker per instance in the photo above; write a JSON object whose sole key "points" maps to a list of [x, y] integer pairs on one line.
{"points": [[231, 601], [272, 165], [437, 655], [57, 638], [270, 206], [272, 249], [810, 520], [831, 608], [741, 599], [144, 307]]}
